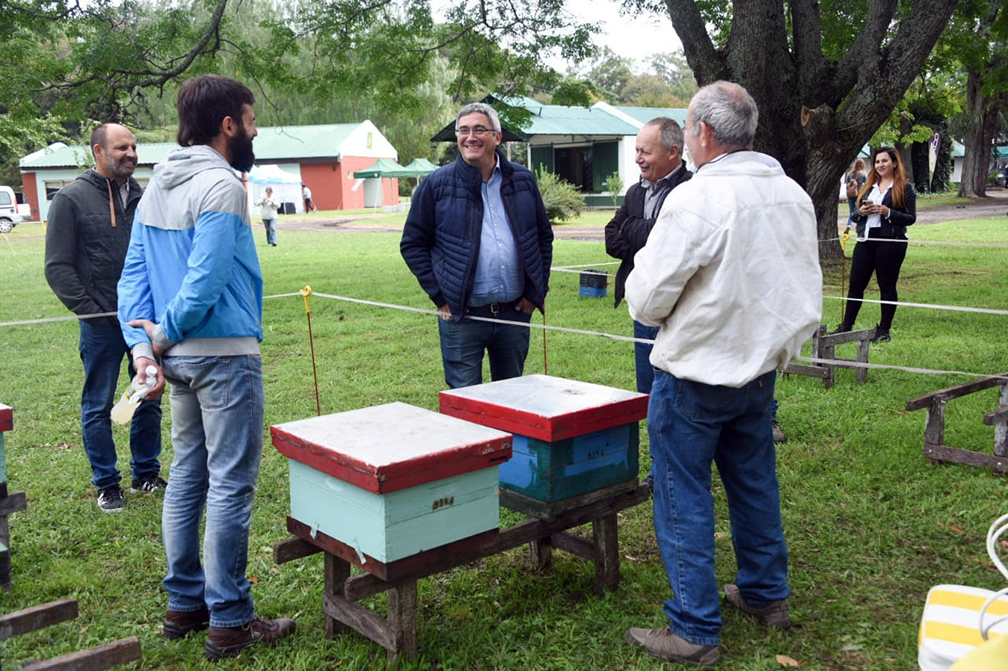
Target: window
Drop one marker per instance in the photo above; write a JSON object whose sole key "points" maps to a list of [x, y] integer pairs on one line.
{"points": [[54, 185]]}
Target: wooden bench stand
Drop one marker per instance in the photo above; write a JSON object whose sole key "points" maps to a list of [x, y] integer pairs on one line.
{"points": [[99, 657], [824, 347], [397, 632], [934, 430]]}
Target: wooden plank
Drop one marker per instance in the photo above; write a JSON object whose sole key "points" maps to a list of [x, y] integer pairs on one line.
{"points": [[100, 657], [541, 552], [576, 545], [13, 503], [362, 621], [37, 617], [361, 586], [967, 457], [806, 369], [399, 568], [835, 339], [549, 510], [402, 607], [290, 549], [956, 391], [999, 415]]}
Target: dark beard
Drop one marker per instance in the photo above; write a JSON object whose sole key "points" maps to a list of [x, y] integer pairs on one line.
{"points": [[242, 156]]}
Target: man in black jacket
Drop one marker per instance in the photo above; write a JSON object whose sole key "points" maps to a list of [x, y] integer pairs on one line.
{"points": [[87, 234], [479, 242], [659, 155]]}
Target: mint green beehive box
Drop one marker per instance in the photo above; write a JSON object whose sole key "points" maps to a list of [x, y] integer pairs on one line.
{"points": [[393, 480]]}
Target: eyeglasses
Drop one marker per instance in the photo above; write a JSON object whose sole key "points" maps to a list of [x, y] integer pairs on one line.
{"points": [[478, 131]]}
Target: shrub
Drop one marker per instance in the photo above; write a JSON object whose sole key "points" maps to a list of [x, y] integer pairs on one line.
{"points": [[562, 199], [615, 184]]}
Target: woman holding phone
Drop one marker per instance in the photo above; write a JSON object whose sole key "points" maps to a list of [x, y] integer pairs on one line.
{"points": [[886, 205]]}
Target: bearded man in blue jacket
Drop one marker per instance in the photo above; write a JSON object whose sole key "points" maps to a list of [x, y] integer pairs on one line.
{"points": [[190, 297], [479, 242]]}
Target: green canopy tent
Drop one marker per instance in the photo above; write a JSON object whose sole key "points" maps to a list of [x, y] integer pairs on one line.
{"points": [[421, 167], [383, 168]]}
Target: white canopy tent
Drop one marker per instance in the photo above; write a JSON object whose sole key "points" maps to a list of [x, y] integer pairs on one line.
{"points": [[286, 186]]}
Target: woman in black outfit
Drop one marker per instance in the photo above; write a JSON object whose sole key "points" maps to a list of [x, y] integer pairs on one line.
{"points": [[886, 205]]}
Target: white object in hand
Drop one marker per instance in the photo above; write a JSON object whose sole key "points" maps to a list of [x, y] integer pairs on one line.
{"points": [[122, 412]]}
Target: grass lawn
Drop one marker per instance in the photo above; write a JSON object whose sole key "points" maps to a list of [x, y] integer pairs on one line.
{"points": [[871, 524]]}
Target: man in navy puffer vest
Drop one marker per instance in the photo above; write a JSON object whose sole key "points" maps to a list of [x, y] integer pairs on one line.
{"points": [[478, 240]]}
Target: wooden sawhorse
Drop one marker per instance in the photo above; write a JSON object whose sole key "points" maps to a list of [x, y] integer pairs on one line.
{"points": [[824, 347], [397, 632], [934, 431], [100, 657]]}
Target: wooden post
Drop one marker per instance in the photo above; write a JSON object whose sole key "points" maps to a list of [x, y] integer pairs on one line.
{"points": [[402, 606], [336, 573]]}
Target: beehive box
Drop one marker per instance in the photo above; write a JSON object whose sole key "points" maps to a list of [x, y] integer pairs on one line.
{"points": [[393, 480], [570, 437]]}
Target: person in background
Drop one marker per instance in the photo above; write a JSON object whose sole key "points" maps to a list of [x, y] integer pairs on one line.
{"points": [[886, 205], [855, 179], [309, 206], [718, 348], [86, 239], [478, 240], [268, 210], [191, 297], [659, 157]]}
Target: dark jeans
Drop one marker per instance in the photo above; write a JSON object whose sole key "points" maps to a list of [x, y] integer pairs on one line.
{"points": [[693, 425], [642, 356], [463, 344], [884, 258], [102, 349]]}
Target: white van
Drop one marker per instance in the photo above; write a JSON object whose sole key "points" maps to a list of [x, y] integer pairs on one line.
{"points": [[9, 215]]}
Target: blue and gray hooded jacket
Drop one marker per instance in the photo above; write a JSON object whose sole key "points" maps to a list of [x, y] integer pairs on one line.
{"points": [[192, 266]]}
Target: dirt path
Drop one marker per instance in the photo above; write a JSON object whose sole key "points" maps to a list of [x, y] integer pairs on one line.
{"points": [[994, 206]]}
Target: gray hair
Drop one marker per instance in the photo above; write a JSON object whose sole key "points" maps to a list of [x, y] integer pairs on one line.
{"points": [[480, 108], [729, 111], [669, 132]]}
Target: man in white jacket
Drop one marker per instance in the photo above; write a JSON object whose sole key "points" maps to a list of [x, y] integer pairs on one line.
{"points": [[731, 276]]}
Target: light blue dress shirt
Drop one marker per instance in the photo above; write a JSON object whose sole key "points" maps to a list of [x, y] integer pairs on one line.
{"points": [[498, 268]]}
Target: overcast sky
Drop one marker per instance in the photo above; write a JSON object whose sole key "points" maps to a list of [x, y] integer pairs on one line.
{"points": [[633, 37]]}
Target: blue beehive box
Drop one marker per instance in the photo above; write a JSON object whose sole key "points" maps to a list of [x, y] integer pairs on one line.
{"points": [[593, 284], [570, 437], [393, 480]]}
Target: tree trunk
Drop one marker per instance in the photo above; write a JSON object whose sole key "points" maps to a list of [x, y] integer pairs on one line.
{"points": [[979, 137], [815, 113]]}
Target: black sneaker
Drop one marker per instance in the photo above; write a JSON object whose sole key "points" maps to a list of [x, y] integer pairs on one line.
{"points": [[149, 484], [111, 500], [881, 335]]}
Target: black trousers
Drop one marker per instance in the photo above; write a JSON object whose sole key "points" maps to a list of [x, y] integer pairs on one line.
{"points": [[884, 258]]}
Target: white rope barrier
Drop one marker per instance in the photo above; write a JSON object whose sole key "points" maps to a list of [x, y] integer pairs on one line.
{"points": [[846, 363]]}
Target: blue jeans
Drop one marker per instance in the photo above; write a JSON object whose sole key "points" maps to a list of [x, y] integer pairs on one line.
{"points": [[217, 408], [642, 356], [463, 343], [102, 349], [270, 225], [691, 425]]}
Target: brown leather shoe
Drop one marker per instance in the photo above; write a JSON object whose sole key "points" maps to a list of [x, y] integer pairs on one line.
{"points": [[181, 623], [227, 641], [663, 644], [774, 615]]}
